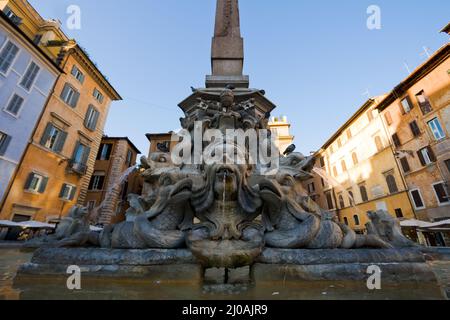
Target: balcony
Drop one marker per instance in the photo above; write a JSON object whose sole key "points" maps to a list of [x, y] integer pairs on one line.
{"points": [[77, 167]]}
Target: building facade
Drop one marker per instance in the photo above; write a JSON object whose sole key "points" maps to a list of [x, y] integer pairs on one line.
{"points": [[113, 179], [27, 77], [56, 168], [417, 116], [281, 127], [356, 172]]}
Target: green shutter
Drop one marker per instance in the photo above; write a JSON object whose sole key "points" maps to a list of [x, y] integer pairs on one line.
{"points": [[28, 182], [96, 116], [64, 91], [86, 153], [46, 134], [61, 141], [43, 185], [72, 193], [4, 145], [75, 98], [61, 193]]}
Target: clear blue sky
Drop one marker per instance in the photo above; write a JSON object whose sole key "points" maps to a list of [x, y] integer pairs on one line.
{"points": [[315, 59]]}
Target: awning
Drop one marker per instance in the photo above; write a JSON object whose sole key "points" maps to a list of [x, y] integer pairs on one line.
{"points": [[36, 225], [424, 224], [8, 224]]}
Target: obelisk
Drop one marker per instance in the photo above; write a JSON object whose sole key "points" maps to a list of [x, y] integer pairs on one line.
{"points": [[227, 53]]}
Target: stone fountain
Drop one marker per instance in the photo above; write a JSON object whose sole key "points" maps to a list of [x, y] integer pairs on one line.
{"points": [[226, 211]]}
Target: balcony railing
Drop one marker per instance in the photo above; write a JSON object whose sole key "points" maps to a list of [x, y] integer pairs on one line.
{"points": [[77, 167]]}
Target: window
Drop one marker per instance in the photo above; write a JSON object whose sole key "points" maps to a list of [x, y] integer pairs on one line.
{"points": [[392, 184], [346, 220], [53, 138], [388, 118], [414, 128], [105, 151], [98, 96], [323, 182], [311, 187], [396, 140], [30, 76], [329, 200], [441, 193], [344, 166], [97, 181], [4, 143], [36, 183], [356, 220], [77, 74], [424, 103], [417, 199], [12, 16], [405, 165], [81, 154], [378, 143], [447, 163], [355, 158], [339, 142], [7, 56], [349, 134], [426, 156], [341, 201], [91, 119], [351, 198], [335, 171], [14, 105], [436, 129], [363, 191], [69, 95], [37, 39], [67, 192], [129, 157], [91, 204], [322, 162], [406, 105], [399, 213], [370, 115]]}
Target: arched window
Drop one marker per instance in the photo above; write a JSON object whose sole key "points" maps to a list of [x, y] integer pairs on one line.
{"points": [[392, 185], [346, 221], [341, 201], [335, 171], [364, 196], [378, 143], [351, 198], [355, 158], [344, 166], [356, 219]]}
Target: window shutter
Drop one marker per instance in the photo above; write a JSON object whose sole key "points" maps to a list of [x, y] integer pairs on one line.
{"points": [[46, 134], [421, 158], [405, 164], [108, 153], [411, 105], [402, 110], [65, 91], [82, 78], [61, 141], [96, 116], [74, 70], [86, 118], [61, 193], [76, 96], [4, 145], [396, 140], [28, 182], [43, 185], [431, 154], [86, 153], [72, 193], [77, 145]]}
